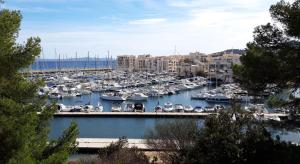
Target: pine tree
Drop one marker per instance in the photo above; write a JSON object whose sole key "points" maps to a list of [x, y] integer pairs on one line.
{"points": [[272, 60], [23, 132]]}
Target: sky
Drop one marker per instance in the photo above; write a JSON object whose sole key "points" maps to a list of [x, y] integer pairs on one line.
{"points": [[134, 27]]}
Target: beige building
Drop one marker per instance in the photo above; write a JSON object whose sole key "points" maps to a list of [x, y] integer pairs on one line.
{"points": [[148, 63], [126, 62], [214, 65]]}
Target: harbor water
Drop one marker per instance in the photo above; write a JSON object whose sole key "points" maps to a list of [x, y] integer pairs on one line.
{"points": [[133, 127]]}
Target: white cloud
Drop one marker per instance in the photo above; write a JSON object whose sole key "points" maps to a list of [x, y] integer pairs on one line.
{"points": [[149, 21]]}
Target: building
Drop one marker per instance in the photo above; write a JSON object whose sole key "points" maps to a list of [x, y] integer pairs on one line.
{"points": [[214, 66], [126, 63], [148, 63], [220, 66]]}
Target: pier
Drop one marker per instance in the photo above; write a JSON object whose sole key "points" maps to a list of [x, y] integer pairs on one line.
{"points": [[148, 114], [131, 114], [97, 143]]}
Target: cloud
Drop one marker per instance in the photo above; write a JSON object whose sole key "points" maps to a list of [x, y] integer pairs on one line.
{"points": [[149, 21], [203, 25]]}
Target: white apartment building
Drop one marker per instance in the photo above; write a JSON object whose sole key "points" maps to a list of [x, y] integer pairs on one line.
{"points": [[220, 66]]}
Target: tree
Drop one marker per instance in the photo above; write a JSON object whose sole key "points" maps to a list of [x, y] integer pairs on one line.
{"points": [[242, 140], [272, 59], [117, 153], [227, 137], [173, 138], [23, 132]]}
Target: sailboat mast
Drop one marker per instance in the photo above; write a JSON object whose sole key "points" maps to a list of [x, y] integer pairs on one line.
{"points": [[76, 66]]}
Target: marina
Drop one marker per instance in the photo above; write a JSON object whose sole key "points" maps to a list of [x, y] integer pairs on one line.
{"points": [[112, 104]]}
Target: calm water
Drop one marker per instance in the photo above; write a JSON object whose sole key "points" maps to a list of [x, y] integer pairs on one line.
{"points": [[132, 127]]}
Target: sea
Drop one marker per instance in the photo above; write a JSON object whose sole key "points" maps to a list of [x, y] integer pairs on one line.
{"points": [[81, 63]]}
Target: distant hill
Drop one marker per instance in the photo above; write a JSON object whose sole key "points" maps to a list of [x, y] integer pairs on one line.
{"points": [[234, 51]]}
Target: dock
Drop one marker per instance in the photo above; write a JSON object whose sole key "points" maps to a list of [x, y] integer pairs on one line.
{"points": [[147, 114], [131, 114], [97, 143]]}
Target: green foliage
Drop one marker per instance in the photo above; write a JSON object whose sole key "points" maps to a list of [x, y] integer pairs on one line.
{"points": [[117, 153], [273, 58], [175, 138], [221, 140], [24, 133], [224, 140]]}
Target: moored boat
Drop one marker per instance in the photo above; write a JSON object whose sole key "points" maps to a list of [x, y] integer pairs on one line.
{"points": [[188, 108], [179, 108], [113, 97], [116, 108], [168, 107], [158, 108], [138, 97], [139, 107]]}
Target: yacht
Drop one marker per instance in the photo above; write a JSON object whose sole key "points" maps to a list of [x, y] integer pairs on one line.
{"points": [[188, 108], [168, 107], [138, 97], [179, 108], [113, 97]]}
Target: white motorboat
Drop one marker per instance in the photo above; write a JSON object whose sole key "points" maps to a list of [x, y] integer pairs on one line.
{"points": [[198, 109], [138, 97], [77, 108], [113, 97], [63, 108], [188, 108], [168, 107], [179, 108], [116, 108]]}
